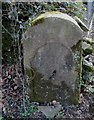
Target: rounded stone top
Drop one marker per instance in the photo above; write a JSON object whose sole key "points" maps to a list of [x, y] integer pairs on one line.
{"points": [[54, 14], [50, 27]]}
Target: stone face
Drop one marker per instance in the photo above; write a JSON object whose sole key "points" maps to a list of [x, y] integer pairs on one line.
{"points": [[55, 61], [49, 57]]}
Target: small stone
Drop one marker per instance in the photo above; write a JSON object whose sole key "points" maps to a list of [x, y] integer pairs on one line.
{"points": [[54, 102], [9, 76], [49, 111], [81, 98], [15, 87]]}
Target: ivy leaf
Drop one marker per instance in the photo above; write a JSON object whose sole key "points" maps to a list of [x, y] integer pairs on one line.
{"points": [[90, 89]]}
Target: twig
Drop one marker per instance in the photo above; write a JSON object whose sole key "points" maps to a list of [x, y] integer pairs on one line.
{"points": [[7, 31]]}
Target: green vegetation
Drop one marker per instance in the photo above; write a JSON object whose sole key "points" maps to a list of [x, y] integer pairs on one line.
{"points": [[30, 108], [16, 18]]}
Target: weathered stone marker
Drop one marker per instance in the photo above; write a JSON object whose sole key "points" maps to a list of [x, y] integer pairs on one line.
{"points": [[52, 58]]}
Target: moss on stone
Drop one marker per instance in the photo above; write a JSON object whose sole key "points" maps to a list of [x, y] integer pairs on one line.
{"points": [[77, 49], [38, 89], [30, 72], [42, 17], [38, 21]]}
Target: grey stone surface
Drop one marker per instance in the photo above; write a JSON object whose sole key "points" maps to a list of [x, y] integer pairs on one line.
{"points": [[49, 57], [55, 62], [50, 111], [56, 27]]}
